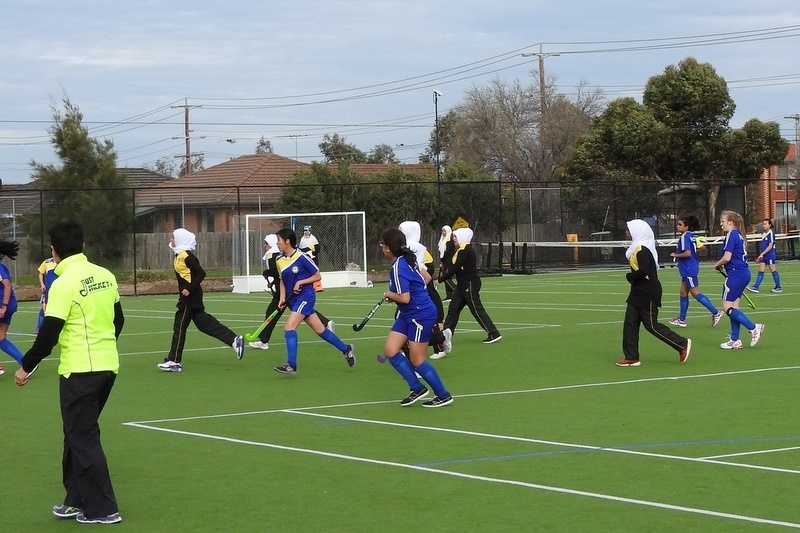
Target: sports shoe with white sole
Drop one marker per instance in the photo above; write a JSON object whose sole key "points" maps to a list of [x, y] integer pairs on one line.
{"points": [[414, 396], [286, 368], [259, 345], [2, 370], [438, 355], [438, 401], [350, 355], [753, 289], [776, 290], [169, 366], [684, 355], [110, 519], [66, 511], [492, 338], [238, 346], [755, 335], [731, 345], [716, 317], [678, 322], [448, 340], [628, 362]]}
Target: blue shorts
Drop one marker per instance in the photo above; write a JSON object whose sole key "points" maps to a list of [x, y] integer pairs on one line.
{"points": [[769, 260], [734, 287], [690, 281], [416, 329], [303, 306]]}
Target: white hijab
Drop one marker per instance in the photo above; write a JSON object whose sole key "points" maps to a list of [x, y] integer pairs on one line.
{"points": [[448, 234], [184, 240], [272, 242], [412, 230], [464, 236], [641, 235]]}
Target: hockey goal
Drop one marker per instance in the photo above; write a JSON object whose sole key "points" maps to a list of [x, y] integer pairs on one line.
{"points": [[342, 253]]}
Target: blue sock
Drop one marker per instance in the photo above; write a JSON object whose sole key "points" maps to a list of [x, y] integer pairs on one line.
{"points": [[330, 337], [429, 374], [705, 302], [737, 316], [735, 329], [291, 347], [404, 368], [41, 319], [8, 347], [777, 279], [759, 279], [684, 307]]}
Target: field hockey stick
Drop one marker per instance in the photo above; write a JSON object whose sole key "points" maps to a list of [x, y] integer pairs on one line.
{"points": [[250, 337], [746, 297], [359, 327]]}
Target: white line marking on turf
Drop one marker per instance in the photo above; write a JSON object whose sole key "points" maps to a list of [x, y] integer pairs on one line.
{"points": [[757, 452], [548, 488]]}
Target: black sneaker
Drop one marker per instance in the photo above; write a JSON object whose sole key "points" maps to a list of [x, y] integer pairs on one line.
{"points": [[350, 355], [110, 519], [493, 337], [413, 397], [66, 511], [286, 368], [439, 401]]}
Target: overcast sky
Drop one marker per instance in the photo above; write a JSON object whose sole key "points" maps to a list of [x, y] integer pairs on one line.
{"points": [[294, 71]]}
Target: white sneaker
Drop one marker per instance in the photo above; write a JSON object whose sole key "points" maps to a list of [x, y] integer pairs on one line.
{"points": [[448, 340], [330, 326], [678, 322], [755, 335], [753, 289], [260, 345], [716, 317], [731, 345], [438, 355], [169, 366]]}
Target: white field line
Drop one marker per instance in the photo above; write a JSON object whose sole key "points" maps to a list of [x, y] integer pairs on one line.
{"points": [[757, 452], [536, 486]]}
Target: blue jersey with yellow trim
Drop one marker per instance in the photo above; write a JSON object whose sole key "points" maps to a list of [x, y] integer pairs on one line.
{"points": [[407, 278], [294, 268]]}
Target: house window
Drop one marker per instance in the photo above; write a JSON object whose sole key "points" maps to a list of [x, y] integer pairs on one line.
{"points": [[206, 220]]}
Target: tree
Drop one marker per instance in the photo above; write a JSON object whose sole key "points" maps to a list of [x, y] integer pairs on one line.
{"points": [[447, 127], [336, 148], [263, 146], [382, 153], [196, 160], [165, 166], [499, 129], [680, 134], [86, 187]]}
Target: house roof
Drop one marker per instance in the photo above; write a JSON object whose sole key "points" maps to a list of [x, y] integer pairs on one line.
{"points": [[143, 177]]}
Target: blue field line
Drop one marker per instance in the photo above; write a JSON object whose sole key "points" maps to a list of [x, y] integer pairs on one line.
{"points": [[743, 440]]}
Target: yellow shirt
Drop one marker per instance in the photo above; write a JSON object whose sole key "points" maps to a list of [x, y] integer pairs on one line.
{"points": [[83, 296]]}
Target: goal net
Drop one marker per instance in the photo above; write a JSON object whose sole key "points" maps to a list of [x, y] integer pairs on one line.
{"points": [[341, 253]]}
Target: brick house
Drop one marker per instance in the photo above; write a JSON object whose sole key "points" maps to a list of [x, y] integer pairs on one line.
{"points": [[777, 193]]}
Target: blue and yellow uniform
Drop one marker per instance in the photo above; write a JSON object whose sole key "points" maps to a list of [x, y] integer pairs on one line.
{"points": [[293, 269], [418, 316]]}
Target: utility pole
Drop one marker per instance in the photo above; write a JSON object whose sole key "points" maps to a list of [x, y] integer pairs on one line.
{"points": [[796, 118], [186, 131], [542, 105]]}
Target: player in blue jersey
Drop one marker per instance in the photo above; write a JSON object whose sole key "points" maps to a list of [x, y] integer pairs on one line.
{"points": [[767, 257], [298, 274], [689, 268], [417, 315], [734, 261], [8, 300]]}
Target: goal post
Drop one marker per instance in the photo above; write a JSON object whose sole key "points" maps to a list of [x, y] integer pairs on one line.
{"points": [[342, 258]]}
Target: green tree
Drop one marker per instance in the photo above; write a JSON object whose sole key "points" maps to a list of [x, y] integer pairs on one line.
{"points": [[196, 160], [382, 153], [336, 148], [680, 134], [165, 166], [86, 187]]}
